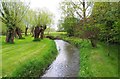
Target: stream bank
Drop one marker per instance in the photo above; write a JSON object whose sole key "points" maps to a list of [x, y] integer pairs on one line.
{"points": [[66, 63]]}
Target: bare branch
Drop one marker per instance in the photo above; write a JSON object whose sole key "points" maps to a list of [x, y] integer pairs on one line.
{"points": [[76, 10], [88, 5], [79, 14], [76, 5], [81, 2]]}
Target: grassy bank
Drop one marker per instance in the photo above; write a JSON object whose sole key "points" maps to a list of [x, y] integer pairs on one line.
{"points": [[27, 58], [95, 62]]}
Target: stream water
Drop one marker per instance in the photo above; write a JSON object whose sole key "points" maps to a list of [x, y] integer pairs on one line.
{"points": [[66, 63]]}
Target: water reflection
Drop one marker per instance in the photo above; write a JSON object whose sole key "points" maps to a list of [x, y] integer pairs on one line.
{"points": [[66, 63]]}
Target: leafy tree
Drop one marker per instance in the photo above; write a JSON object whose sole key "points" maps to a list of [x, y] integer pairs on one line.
{"points": [[60, 27], [69, 25], [107, 18], [29, 20], [43, 18], [82, 10], [12, 13]]}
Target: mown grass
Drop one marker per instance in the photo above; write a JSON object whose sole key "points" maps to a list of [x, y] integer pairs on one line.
{"points": [[95, 62], [56, 33], [27, 58], [0, 57]]}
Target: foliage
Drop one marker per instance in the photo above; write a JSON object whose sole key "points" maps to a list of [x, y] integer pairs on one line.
{"points": [[107, 18], [12, 12], [76, 8], [95, 22], [37, 39], [3, 28], [43, 17], [50, 29], [84, 27], [69, 25], [27, 58], [29, 18], [59, 26], [95, 62]]}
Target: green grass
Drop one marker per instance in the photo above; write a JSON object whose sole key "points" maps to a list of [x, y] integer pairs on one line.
{"points": [[56, 33], [95, 62], [0, 57], [27, 58]]}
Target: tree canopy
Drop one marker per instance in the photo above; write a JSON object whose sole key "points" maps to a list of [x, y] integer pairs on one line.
{"points": [[12, 12], [97, 21]]}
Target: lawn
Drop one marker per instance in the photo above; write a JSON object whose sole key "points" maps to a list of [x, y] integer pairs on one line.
{"points": [[26, 57], [95, 62], [56, 33]]}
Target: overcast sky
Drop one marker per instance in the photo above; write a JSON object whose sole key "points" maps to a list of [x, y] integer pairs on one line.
{"points": [[52, 5]]}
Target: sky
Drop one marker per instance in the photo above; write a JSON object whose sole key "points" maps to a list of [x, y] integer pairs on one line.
{"points": [[52, 5]]}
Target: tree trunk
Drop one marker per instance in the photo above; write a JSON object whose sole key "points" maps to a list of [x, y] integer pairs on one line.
{"points": [[32, 31], [42, 34], [84, 13], [42, 31], [93, 42], [36, 32], [26, 31], [15, 35], [18, 32], [10, 36]]}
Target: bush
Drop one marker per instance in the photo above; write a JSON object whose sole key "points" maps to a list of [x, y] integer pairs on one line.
{"points": [[37, 39]]}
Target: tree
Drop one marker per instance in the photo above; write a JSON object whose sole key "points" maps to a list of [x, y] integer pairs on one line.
{"points": [[78, 8], [69, 24], [108, 20], [12, 14], [29, 21], [42, 18], [2, 28], [60, 27], [82, 10]]}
